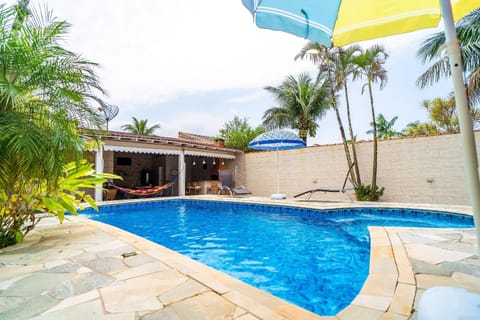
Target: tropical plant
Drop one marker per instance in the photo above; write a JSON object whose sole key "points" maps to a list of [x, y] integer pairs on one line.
{"points": [[385, 127], [237, 133], [368, 193], [46, 93], [345, 68], [418, 128], [140, 127], [301, 104], [443, 118], [434, 50], [370, 66], [442, 113], [19, 212], [335, 65]]}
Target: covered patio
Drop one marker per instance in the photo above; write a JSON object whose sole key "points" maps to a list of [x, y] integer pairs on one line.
{"points": [[147, 161]]}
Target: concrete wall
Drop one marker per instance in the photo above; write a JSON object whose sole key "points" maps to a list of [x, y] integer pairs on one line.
{"points": [[412, 170]]}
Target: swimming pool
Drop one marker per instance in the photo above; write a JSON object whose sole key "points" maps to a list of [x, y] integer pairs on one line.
{"points": [[317, 259]]}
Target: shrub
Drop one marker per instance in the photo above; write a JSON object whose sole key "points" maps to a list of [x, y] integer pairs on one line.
{"points": [[368, 193], [19, 211]]}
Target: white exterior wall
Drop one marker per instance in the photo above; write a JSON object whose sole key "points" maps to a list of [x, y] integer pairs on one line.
{"points": [[412, 170]]}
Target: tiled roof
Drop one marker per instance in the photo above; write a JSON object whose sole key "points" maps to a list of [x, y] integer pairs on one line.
{"points": [[195, 137], [124, 136]]}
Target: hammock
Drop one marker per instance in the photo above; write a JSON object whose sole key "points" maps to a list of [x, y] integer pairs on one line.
{"points": [[146, 192]]}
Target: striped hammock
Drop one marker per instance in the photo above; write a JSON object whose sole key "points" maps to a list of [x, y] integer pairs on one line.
{"points": [[148, 191]]}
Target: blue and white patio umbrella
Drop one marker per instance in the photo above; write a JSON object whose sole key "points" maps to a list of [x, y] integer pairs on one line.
{"points": [[277, 140]]}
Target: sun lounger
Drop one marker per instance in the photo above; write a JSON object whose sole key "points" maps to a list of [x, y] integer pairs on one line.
{"points": [[226, 179], [343, 189]]}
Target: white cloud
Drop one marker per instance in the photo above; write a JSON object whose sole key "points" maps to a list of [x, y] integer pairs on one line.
{"points": [[155, 50], [169, 61], [251, 96]]}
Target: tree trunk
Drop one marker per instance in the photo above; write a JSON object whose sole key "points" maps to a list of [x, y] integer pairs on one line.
{"points": [[356, 175], [374, 125], [339, 120], [302, 133]]}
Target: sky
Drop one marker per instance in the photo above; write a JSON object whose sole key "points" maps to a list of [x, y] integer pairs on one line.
{"points": [[193, 65]]}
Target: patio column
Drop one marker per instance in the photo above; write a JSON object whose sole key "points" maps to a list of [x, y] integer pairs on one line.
{"points": [[181, 174], [99, 169]]}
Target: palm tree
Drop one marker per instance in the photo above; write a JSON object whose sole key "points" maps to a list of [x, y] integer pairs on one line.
{"points": [[346, 68], [140, 127], [333, 62], [46, 93], [385, 127], [302, 103], [434, 49], [370, 67]]}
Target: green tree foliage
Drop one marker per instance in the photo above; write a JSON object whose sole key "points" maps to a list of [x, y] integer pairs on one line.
{"points": [[18, 213], [46, 93], [385, 128], [442, 113], [418, 128], [434, 50], [140, 127], [442, 118], [301, 104], [237, 133]]}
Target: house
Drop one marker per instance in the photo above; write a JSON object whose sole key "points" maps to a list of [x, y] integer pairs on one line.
{"points": [[144, 161]]}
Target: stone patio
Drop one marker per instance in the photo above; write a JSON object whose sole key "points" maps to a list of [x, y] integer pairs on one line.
{"points": [[85, 269]]}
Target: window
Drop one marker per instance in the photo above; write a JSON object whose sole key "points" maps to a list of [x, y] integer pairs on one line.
{"points": [[121, 161]]}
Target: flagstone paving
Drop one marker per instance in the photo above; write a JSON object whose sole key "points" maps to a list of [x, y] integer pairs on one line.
{"points": [[89, 270]]}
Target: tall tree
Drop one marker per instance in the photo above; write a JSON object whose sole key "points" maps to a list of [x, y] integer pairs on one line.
{"points": [[140, 127], [301, 103], [345, 61], [336, 65], [385, 127], [46, 93], [237, 133], [434, 50], [371, 68], [442, 113]]}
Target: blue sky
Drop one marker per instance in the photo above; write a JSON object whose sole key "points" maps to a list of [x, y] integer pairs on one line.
{"points": [[193, 65]]}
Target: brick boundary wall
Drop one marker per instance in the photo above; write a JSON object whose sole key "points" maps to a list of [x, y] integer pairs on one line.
{"points": [[426, 169]]}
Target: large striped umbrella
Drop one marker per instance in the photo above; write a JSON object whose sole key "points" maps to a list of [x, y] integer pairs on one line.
{"points": [[342, 22]]}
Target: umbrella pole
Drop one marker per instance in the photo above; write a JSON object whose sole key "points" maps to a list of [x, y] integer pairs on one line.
{"points": [[276, 169], [464, 116]]}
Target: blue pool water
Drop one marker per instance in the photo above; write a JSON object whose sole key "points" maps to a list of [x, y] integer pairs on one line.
{"points": [[316, 259]]}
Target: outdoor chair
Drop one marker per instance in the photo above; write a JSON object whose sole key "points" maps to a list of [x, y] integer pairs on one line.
{"points": [[213, 189], [193, 188], [226, 179], [110, 194], [308, 194]]}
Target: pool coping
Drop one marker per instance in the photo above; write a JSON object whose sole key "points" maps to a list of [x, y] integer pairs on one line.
{"points": [[389, 291]]}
